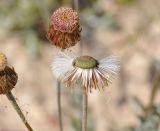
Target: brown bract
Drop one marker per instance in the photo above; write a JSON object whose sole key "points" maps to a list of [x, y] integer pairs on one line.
{"points": [[8, 79], [64, 30]]}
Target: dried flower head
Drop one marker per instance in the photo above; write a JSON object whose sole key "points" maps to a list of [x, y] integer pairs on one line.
{"points": [[92, 73], [3, 61], [8, 77], [64, 30]]}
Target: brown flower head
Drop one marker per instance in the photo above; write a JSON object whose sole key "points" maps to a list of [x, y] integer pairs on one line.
{"points": [[64, 30], [8, 77]]}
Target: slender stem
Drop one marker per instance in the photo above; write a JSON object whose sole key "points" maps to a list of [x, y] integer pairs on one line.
{"points": [[84, 94], [17, 108], [154, 91], [61, 3], [76, 5], [84, 111], [59, 105]]}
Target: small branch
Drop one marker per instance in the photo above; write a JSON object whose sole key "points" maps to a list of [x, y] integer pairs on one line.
{"points": [[59, 105], [18, 110], [84, 111]]}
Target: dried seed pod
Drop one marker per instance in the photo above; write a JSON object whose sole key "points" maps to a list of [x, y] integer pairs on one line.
{"points": [[64, 30], [8, 79]]}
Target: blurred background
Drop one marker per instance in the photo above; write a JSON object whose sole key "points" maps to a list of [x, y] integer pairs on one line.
{"points": [[126, 28]]}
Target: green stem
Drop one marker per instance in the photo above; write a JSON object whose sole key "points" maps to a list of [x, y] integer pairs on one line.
{"points": [[84, 111], [18, 110], [59, 105]]}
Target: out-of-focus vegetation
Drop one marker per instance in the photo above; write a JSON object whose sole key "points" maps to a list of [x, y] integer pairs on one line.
{"points": [[125, 2], [31, 18]]}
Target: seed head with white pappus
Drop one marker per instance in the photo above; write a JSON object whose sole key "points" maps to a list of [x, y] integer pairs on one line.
{"points": [[92, 73]]}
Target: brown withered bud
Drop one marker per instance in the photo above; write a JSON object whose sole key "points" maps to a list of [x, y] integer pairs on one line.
{"points": [[8, 79], [64, 30]]}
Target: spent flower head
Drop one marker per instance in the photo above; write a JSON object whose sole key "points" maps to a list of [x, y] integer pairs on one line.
{"points": [[64, 30], [8, 77], [92, 73]]}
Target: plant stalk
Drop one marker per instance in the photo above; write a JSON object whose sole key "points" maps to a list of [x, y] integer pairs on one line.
{"points": [[84, 111], [76, 5], [154, 90], [18, 110], [59, 105]]}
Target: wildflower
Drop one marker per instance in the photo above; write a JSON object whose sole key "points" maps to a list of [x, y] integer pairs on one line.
{"points": [[8, 77], [64, 30], [92, 73]]}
